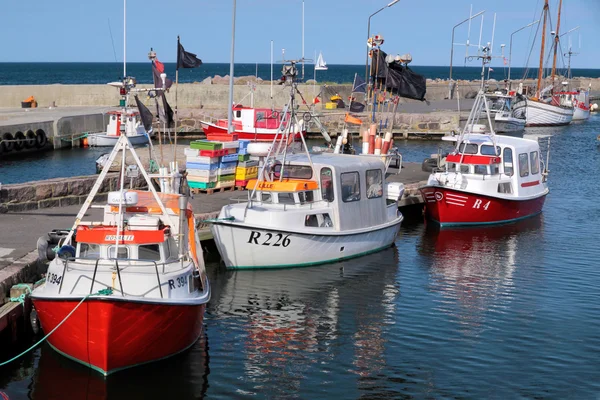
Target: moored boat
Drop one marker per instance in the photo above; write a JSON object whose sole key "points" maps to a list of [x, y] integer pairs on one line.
{"points": [[121, 122], [505, 120], [488, 178], [579, 100], [129, 288]]}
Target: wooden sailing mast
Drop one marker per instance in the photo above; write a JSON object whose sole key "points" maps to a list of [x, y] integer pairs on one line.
{"points": [[556, 38], [541, 69]]}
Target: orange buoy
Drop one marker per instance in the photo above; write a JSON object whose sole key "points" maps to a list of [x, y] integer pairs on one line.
{"points": [[386, 143], [372, 133], [84, 142], [378, 143]]}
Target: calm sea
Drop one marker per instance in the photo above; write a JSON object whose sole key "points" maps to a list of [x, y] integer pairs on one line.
{"points": [[508, 312], [100, 73]]}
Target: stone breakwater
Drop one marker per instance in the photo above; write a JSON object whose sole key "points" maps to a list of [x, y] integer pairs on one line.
{"points": [[59, 192]]}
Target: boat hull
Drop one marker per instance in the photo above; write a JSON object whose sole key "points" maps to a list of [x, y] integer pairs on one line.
{"points": [[543, 114], [261, 135], [110, 335], [509, 125], [580, 114], [103, 140], [244, 247], [450, 207]]}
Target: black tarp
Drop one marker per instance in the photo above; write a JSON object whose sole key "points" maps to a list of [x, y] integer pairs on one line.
{"points": [[397, 78]]}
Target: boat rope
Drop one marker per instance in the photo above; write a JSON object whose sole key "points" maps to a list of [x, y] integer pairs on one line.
{"points": [[102, 292], [153, 166], [218, 219], [21, 298]]}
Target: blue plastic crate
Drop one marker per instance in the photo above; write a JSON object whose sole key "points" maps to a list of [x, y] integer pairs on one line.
{"points": [[193, 165], [229, 158], [244, 143], [242, 151], [228, 164]]}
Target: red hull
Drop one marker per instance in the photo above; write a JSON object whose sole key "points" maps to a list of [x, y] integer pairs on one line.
{"points": [[211, 130], [452, 207], [110, 335]]}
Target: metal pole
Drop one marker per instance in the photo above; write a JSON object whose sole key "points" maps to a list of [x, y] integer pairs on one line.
{"points": [[510, 48], [271, 73], [302, 40], [124, 38], [452, 46], [231, 70]]}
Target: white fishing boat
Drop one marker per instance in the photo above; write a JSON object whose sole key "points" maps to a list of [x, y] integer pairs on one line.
{"points": [[122, 122], [542, 110], [505, 120], [129, 287], [308, 209], [321, 65]]}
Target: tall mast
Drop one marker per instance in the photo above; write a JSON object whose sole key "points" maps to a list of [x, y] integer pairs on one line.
{"points": [[556, 39], [541, 69], [124, 38]]}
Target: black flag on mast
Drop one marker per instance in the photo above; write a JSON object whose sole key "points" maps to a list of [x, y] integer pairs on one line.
{"points": [[166, 113], [186, 59], [145, 115]]}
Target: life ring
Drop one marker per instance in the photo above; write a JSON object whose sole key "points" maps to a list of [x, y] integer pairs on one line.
{"points": [[7, 142], [41, 139], [30, 139], [19, 140]]}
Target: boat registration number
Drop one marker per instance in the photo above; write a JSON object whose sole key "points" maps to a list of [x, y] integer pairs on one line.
{"points": [[53, 279], [269, 239]]}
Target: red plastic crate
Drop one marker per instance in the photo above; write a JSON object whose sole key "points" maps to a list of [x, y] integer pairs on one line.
{"points": [[241, 183], [222, 137], [231, 151], [213, 153]]}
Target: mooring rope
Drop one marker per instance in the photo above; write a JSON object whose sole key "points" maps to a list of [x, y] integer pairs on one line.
{"points": [[21, 298], [103, 292]]}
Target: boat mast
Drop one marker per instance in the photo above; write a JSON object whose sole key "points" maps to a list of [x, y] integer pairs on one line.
{"points": [[541, 69], [556, 39]]}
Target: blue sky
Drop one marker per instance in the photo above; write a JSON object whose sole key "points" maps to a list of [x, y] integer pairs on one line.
{"points": [[76, 30]]}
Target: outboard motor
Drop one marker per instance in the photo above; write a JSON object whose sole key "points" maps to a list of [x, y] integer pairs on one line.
{"points": [[47, 243]]}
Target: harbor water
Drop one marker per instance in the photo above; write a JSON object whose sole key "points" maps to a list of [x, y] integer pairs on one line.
{"points": [[502, 312]]}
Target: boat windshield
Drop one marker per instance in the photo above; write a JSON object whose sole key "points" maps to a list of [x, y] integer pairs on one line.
{"points": [[293, 171]]}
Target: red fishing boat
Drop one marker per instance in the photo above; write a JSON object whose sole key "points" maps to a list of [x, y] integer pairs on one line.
{"points": [[130, 287], [488, 178], [256, 124]]}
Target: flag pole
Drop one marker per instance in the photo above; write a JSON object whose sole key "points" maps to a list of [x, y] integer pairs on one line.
{"points": [[176, 115]]}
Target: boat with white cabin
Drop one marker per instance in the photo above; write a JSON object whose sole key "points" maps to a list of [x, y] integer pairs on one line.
{"points": [[488, 178], [129, 287], [121, 122], [505, 120]]}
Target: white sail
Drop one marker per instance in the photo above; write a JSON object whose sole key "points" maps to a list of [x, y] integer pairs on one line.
{"points": [[321, 64]]}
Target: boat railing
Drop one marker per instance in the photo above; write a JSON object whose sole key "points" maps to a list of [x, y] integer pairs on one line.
{"points": [[114, 263]]}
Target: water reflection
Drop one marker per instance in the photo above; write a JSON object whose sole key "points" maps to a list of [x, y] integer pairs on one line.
{"points": [[184, 376], [291, 322], [473, 268]]}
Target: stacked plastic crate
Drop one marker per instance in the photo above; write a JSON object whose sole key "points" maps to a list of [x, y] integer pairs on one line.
{"points": [[246, 168], [227, 165], [202, 163]]}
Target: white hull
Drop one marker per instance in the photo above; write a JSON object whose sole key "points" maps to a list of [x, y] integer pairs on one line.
{"points": [[321, 68], [103, 140], [580, 115], [281, 249], [543, 114], [508, 124]]}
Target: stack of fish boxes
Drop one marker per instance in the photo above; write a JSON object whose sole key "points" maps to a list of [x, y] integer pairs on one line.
{"points": [[227, 165], [246, 169], [211, 164]]}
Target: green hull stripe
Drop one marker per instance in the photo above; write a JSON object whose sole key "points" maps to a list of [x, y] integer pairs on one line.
{"points": [[112, 371], [507, 221], [310, 264]]}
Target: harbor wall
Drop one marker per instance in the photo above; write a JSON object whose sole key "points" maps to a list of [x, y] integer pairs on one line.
{"points": [[202, 95]]}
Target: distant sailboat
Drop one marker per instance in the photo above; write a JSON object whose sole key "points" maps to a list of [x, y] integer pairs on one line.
{"points": [[321, 64]]}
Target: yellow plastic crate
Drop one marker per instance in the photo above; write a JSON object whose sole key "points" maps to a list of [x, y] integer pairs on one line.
{"points": [[244, 173], [330, 106]]}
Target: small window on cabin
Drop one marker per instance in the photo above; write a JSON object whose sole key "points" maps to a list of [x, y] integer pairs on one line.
{"points": [[293, 171], [327, 184], [171, 250], [306, 197], [238, 113], [451, 166], [123, 252], [350, 186], [504, 187], [311, 220], [480, 169], [149, 252], [508, 161], [266, 197], [89, 250], [464, 169], [286, 198], [260, 115], [374, 184], [495, 169], [487, 150], [468, 148], [535, 163], [523, 164], [318, 220]]}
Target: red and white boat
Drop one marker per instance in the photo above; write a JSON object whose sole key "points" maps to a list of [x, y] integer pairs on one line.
{"points": [[256, 124], [488, 178], [579, 100], [131, 287]]}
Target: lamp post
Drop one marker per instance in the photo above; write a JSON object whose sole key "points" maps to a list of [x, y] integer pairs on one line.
{"points": [[452, 47], [231, 63], [510, 49], [369, 35]]}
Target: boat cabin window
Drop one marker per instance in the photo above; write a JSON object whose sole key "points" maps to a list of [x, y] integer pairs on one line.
{"points": [[524, 164], [293, 171], [480, 169], [89, 250], [487, 150], [504, 187], [508, 161], [327, 184], [318, 220], [286, 198], [149, 252], [464, 169], [238, 113], [468, 148], [306, 197], [171, 250], [374, 184], [535, 163], [265, 197], [350, 186], [122, 253]]}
